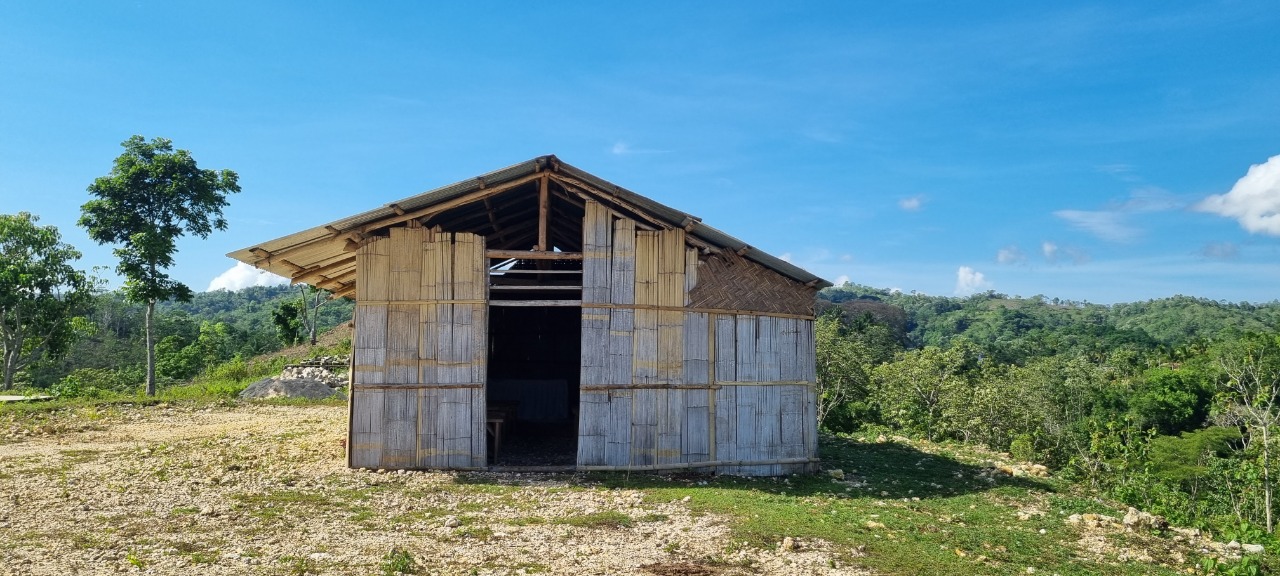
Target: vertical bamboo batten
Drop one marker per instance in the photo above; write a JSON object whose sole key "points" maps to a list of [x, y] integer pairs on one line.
{"points": [[622, 292], [366, 440], [645, 331], [599, 354]]}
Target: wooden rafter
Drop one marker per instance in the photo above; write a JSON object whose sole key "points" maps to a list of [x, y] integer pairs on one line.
{"points": [[493, 220], [544, 204], [635, 213], [315, 273], [338, 282], [448, 204]]}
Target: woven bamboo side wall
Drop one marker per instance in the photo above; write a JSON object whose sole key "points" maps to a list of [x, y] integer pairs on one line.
{"points": [[670, 388], [420, 351], [727, 281]]}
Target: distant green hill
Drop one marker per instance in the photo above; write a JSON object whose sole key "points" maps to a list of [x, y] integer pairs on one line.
{"points": [[1039, 326]]}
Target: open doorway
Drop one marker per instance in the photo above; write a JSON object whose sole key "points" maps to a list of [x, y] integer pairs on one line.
{"points": [[532, 389]]}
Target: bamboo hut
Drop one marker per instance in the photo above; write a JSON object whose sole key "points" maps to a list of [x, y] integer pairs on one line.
{"points": [[540, 295]]}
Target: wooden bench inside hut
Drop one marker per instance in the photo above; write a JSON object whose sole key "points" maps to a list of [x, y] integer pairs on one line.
{"points": [[539, 317]]}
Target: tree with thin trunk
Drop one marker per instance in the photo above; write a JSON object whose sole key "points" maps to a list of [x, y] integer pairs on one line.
{"points": [[41, 294], [153, 196], [1251, 400], [312, 299]]}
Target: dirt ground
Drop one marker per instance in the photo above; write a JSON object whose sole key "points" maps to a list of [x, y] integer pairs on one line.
{"points": [[262, 489]]}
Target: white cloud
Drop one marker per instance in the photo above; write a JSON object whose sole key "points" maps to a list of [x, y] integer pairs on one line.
{"points": [[969, 281], [1050, 251], [1254, 201], [842, 279], [911, 204], [243, 276], [785, 257], [1105, 224], [846, 257], [1113, 222], [1011, 255], [1055, 254]]}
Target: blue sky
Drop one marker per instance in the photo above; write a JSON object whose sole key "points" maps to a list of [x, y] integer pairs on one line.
{"points": [[1101, 152]]}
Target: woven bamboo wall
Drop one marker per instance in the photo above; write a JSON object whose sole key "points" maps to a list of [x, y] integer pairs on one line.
{"points": [[731, 282], [669, 383], [420, 351]]}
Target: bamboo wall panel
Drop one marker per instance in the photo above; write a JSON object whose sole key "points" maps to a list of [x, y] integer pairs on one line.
{"points": [[696, 354], [671, 293], [365, 443], [645, 331], [618, 434], [597, 238], [593, 428], [421, 336], [728, 390]]}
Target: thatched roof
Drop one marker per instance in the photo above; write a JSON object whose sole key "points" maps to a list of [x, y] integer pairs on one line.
{"points": [[504, 207]]}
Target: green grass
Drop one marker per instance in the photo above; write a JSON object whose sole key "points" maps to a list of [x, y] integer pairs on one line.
{"points": [[901, 510], [397, 561]]}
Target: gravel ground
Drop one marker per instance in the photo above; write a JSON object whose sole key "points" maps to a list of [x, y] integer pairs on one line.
{"points": [[262, 489]]}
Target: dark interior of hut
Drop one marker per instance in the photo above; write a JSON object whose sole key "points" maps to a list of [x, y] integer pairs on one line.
{"points": [[532, 389]]}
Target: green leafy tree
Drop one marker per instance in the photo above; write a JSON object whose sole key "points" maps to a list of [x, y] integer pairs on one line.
{"points": [[842, 370], [1250, 399], [153, 196], [916, 389], [41, 294], [287, 319]]}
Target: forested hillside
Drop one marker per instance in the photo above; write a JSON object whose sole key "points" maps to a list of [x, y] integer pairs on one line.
{"points": [[213, 328], [1170, 405]]}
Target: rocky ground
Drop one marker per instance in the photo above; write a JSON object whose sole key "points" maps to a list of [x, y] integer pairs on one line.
{"points": [[262, 489]]}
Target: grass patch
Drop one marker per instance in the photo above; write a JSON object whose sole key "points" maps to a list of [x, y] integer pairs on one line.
{"points": [[909, 510], [275, 505], [397, 562], [475, 532]]}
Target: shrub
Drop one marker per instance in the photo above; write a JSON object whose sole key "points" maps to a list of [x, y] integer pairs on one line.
{"points": [[398, 561]]}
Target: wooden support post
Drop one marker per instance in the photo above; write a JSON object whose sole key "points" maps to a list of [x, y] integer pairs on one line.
{"points": [[543, 205]]}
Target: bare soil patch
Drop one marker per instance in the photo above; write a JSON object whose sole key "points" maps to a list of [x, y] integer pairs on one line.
{"points": [[262, 489]]}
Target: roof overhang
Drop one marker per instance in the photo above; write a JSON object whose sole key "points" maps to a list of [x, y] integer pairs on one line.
{"points": [[325, 255]]}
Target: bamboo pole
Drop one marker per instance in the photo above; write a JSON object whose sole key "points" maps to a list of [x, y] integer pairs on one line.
{"points": [[534, 255]]}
